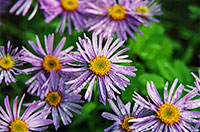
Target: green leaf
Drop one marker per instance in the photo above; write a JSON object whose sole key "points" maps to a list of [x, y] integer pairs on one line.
{"points": [[166, 70], [85, 113], [183, 72], [88, 108], [195, 11], [158, 80], [153, 46]]}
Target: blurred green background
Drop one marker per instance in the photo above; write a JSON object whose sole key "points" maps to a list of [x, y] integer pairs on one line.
{"points": [[168, 50]]}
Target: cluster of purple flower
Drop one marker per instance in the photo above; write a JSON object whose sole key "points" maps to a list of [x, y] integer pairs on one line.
{"points": [[174, 114], [59, 75], [62, 74], [101, 16]]}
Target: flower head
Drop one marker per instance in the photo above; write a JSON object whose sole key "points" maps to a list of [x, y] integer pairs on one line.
{"points": [[171, 115], [70, 11], [30, 120], [23, 6], [148, 11], [122, 116], [111, 17], [59, 99], [101, 64], [45, 62], [9, 61]]}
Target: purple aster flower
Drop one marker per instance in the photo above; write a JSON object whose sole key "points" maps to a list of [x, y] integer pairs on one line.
{"points": [[101, 64], [146, 12], [70, 11], [44, 62], [59, 99], [23, 6], [172, 115], [30, 120], [111, 16], [9, 61], [122, 115]]}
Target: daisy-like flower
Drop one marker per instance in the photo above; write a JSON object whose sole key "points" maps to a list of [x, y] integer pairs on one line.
{"points": [[44, 62], [146, 12], [30, 120], [172, 115], [9, 61], [122, 115], [111, 16], [70, 11], [59, 99], [23, 6], [99, 63]]}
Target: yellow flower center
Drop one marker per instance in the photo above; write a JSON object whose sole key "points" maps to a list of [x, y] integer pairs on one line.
{"points": [[69, 5], [18, 126], [100, 65], [6, 63], [142, 9], [168, 114], [117, 12], [125, 124], [53, 98], [51, 63]]}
